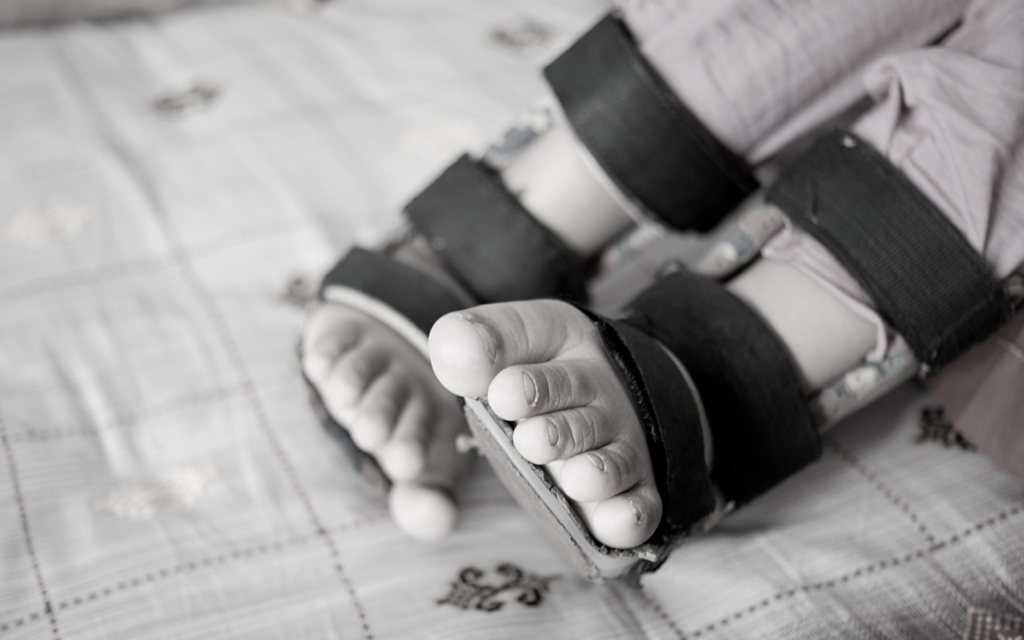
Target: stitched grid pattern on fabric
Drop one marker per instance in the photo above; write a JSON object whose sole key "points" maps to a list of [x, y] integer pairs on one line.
{"points": [[814, 597]]}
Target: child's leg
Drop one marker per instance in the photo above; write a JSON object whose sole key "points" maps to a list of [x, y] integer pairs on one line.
{"points": [[760, 74], [568, 203], [544, 364]]}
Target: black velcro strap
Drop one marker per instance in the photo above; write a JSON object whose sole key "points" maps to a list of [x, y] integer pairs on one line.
{"points": [[760, 425], [924, 277], [642, 135], [670, 417], [490, 242], [415, 295]]}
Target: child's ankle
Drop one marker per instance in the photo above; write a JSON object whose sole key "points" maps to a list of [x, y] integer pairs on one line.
{"points": [[825, 338], [554, 184]]}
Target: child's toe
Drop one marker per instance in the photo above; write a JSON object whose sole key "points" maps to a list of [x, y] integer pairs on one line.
{"points": [[462, 352], [469, 348], [331, 331], [628, 519], [381, 406], [522, 391], [361, 366], [422, 512], [599, 474], [560, 435], [404, 455]]}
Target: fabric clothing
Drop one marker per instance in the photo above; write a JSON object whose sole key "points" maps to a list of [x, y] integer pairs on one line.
{"points": [[950, 117], [756, 90]]}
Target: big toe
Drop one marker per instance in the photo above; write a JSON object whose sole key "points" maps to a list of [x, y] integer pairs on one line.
{"points": [[468, 348], [463, 351]]}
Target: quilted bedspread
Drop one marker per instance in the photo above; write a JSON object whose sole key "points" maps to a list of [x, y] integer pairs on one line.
{"points": [[170, 190]]}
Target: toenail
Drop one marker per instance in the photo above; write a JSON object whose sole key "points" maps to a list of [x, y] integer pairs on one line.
{"points": [[552, 435], [638, 515], [490, 342], [530, 388], [597, 461]]}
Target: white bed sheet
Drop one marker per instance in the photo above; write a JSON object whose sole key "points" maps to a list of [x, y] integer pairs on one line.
{"points": [[171, 188]]}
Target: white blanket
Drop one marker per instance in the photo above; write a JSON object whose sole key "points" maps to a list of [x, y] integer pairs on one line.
{"points": [[170, 191]]}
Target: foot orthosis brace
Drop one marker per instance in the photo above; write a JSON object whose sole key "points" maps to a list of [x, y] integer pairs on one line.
{"points": [[924, 277]]}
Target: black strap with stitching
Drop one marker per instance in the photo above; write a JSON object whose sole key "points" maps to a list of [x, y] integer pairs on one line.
{"points": [[923, 276], [760, 425], [489, 242], [646, 140], [411, 293], [670, 416]]}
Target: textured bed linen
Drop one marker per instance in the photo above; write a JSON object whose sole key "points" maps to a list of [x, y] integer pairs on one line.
{"points": [[168, 187], [19, 12]]}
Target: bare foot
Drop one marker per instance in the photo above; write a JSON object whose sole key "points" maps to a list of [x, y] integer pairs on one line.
{"points": [[382, 390], [542, 364]]}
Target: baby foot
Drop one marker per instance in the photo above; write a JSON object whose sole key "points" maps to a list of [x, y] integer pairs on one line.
{"points": [[543, 365], [381, 389]]}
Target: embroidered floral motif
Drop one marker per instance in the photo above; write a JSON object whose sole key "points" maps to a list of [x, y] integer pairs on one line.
{"points": [[298, 292], [469, 592], [196, 97], [179, 489], [526, 34], [53, 219], [934, 426]]}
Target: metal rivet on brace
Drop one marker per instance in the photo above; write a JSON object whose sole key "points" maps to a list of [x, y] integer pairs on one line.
{"points": [[849, 142], [669, 268], [464, 443], [195, 97]]}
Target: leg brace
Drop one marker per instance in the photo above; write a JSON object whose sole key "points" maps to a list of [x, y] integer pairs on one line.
{"points": [[923, 275], [643, 137]]}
